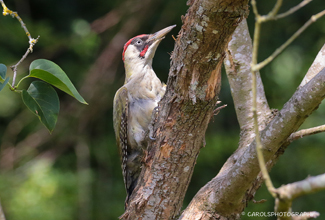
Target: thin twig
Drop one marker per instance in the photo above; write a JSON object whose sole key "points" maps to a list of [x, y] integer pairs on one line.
{"points": [[292, 10], [217, 110], [259, 147], [32, 41], [14, 67], [289, 41], [255, 9], [256, 34], [306, 132], [273, 14], [275, 9]]}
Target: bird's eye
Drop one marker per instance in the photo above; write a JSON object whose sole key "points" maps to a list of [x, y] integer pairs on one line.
{"points": [[139, 42]]}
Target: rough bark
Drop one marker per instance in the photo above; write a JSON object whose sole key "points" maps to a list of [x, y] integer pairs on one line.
{"points": [[186, 109]]}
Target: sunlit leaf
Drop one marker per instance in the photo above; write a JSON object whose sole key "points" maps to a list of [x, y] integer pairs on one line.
{"points": [[51, 73], [2, 85], [43, 101], [3, 71]]}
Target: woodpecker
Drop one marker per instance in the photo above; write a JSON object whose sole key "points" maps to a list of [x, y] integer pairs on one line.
{"points": [[134, 103]]}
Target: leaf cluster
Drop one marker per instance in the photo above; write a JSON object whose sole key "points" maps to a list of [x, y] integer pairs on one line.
{"points": [[41, 98]]}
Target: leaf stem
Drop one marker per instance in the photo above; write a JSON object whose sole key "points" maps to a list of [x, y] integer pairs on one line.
{"points": [[21, 81]]}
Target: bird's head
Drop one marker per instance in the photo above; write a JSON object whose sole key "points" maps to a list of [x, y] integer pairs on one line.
{"points": [[141, 49]]}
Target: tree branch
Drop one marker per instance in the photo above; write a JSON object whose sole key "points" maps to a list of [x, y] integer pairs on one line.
{"points": [[287, 193], [237, 64], [316, 67], [238, 68], [306, 132]]}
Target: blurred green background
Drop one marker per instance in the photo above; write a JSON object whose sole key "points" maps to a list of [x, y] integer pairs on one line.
{"points": [[75, 173]]}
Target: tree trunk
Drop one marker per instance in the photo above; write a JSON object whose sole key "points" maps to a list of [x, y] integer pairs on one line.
{"points": [[186, 109]]}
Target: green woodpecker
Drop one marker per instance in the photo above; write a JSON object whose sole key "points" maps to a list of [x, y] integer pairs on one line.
{"points": [[134, 103]]}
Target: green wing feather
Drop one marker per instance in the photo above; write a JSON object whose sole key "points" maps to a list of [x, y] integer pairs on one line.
{"points": [[120, 119]]}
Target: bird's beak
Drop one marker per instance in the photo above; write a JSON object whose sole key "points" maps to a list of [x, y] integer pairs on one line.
{"points": [[159, 35], [154, 40]]}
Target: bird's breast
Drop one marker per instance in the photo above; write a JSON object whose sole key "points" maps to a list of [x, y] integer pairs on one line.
{"points": [[140, 111], [144, 92]]}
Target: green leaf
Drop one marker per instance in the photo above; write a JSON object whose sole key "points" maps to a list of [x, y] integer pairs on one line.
{"points": [[3, 71], [51, 73], [2, 85], [43, 101]]}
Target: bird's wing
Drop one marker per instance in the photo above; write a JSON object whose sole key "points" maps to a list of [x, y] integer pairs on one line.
{"points": [[120, 119]]}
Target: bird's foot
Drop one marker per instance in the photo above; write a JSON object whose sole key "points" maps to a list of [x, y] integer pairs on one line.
{"points": [[154, 119]]}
